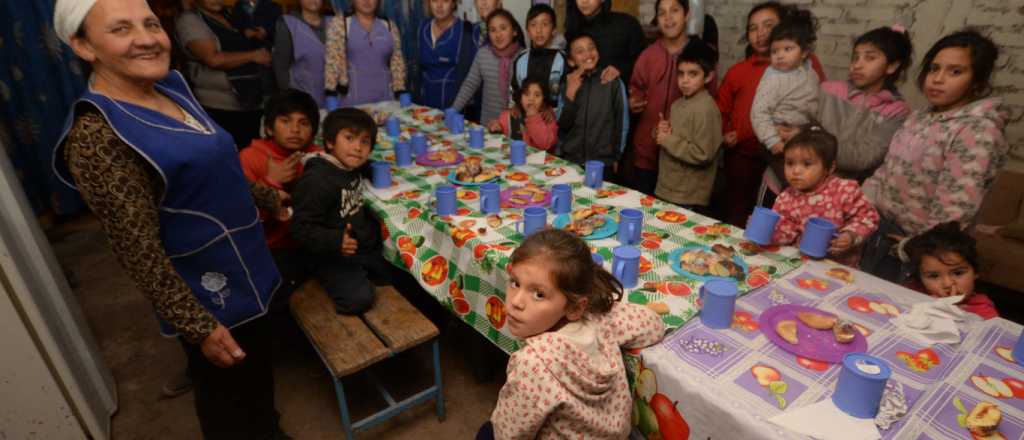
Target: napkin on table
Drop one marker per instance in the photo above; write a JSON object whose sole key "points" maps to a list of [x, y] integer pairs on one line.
{"points": [[824, 420], [932, 322], [388, 193]]}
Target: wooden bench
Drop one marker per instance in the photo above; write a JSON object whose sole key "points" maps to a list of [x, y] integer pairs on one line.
{"points": [[349, 344]]}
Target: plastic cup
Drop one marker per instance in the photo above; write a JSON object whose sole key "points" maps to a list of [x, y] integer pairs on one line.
{"points": [[381, 174], [534, 219], [718, 299], [631, 223], [419, 144], [517, 153], [490, 198], [626, 265], [561, 198], [458, 125], [394, 126], [861, 384], [1018, 350], [405, 99], [476, 137], [445, 196], [761, 226], [593, 173], [818, 233], [403, 154]]}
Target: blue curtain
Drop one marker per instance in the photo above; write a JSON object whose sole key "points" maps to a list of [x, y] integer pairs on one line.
{"points": [[39, 79]]}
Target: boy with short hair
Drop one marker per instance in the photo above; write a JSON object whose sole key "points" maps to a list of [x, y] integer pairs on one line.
{"points": [[595, 117], [340, 236], [544, 59], [290, 120], [690, 142]]}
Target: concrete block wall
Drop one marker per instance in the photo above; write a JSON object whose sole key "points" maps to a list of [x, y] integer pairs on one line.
{"points": [[928, 20]]}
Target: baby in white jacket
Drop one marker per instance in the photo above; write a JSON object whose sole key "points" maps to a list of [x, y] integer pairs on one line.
{"points": [[788, 91]]}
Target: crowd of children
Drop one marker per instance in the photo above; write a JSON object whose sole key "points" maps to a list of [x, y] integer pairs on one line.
{"points": [[926, 170]]}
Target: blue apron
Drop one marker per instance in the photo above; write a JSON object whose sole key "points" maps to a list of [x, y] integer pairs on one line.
{"points": [[439, 78], [209, 225]]}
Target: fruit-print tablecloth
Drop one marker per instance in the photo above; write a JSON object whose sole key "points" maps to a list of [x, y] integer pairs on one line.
{"points": [[464, 266], [727, 384]]}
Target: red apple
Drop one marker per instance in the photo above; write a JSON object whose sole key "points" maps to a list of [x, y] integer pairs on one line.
{"points": [[764, 374], [1016, 386], [859, 304], [811, 364], [670, 422]]}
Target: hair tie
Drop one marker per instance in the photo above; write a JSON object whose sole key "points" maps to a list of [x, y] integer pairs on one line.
{"points": [[815, 128], [898, 28]]}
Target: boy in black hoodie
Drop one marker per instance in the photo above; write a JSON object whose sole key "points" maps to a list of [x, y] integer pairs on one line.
{"points": [[618, 36], [595, 115], [330, 222]]}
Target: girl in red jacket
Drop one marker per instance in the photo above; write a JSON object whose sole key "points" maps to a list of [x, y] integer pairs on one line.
{"points": [[744, 158], [527, 123]]}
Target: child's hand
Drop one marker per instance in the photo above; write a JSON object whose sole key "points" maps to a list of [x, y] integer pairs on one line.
{"points": [[786, 132], [609, 74], [494, 126], [731, 138], [664, 129], [573, 81], [283, 211], [841, 243], [637, 103], [349, 244], [777, 148], [282, 171], [548, 115]]}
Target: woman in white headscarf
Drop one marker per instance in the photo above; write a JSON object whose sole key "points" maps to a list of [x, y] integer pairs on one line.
{"points": [[165, 182]]}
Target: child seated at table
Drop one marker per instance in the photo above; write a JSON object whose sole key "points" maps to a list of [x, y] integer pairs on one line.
{"points": [[567, 380], [526, 121], [945, 262], [815, 191], [595, 115], [688, 160], [290, 120], [340, 236]]}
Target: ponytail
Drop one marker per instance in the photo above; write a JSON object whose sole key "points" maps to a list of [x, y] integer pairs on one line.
{"points": [[606, 292]]}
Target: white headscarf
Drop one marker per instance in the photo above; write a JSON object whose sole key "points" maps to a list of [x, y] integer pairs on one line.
{"points": [[68, 16]]}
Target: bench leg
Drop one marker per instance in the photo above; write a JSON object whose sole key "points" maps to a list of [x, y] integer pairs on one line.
{"points": [[437, 379], [346, 421]]}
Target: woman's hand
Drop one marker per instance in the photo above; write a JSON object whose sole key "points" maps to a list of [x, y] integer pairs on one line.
{"points": [[221, 349], [730, 139], [260, 56], [609, 74]]}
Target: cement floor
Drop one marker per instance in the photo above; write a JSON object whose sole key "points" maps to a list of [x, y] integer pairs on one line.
{"points": [[141, 360]]}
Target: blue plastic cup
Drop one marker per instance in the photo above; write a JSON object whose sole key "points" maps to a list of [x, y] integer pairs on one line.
{"points": [[517, 153], [394, 126], [381, 174], [818, 233], [476, 137], [626, 265], [631, 223], [534, 219], [490, 198], [449, 115], [419, 144], [405, 99], [761, 226], [458, 123], [403, 154], [561, 198], [593, 173], [1018, 350], [718, 298], [861, 384], [445, 196]]}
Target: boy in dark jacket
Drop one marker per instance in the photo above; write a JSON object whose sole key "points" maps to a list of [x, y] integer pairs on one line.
{"points": [[330, 223], [595, 116], [618, 36]]}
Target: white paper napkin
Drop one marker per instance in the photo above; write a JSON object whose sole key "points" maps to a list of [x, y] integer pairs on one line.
{"points": [[477, 224], [492, 141], [537, 158], [570, 176], [824, 420], [932, 322]]}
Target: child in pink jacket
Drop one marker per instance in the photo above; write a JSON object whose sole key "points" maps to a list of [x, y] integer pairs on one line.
{"points": [[568, 379], [532, 119], [814, 191]]}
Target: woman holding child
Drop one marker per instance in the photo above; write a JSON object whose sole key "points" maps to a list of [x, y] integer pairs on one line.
{"points": [[181, 221]]}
